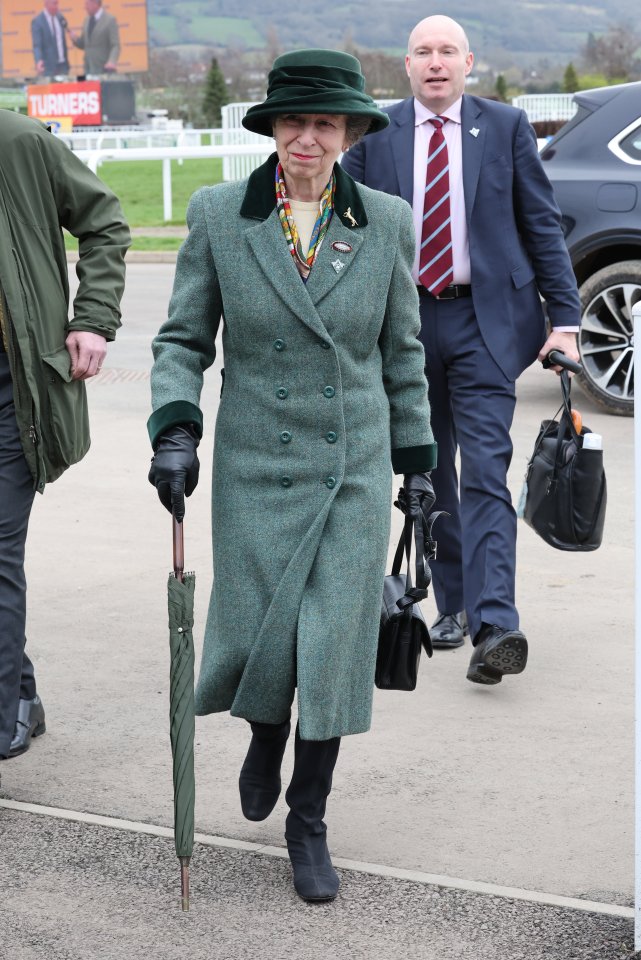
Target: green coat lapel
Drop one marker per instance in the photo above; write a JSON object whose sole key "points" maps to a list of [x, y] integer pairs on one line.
{"points": [[274, 259], [332, 265]]}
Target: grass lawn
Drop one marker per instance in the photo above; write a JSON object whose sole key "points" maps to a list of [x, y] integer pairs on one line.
{"points": [[138, 184], [138, 243]]}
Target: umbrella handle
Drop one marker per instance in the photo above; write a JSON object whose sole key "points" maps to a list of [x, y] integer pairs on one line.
{"points": [[179, 548]]}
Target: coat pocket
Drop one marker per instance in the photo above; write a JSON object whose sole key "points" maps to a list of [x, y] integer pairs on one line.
{"points": [[522, 275], [67, 438]]}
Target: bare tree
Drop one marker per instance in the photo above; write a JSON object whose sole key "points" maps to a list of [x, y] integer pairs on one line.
{"points": [[613, 53]]}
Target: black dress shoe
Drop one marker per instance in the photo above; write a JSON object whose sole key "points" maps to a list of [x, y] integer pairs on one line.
{"points": [[496, 653], [449, 630], [30, 723]]}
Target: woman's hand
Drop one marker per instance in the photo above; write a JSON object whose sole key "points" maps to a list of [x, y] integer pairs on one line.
{"points": [[416, 496], [174, 468]]}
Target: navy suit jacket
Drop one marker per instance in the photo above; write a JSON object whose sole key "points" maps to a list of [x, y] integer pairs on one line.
{"points": [[513, 222], [45, 47]]}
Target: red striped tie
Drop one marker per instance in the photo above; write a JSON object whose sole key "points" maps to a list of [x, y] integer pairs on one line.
{"points": [[435, 263]]}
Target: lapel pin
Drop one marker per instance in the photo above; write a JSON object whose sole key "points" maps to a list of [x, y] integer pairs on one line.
{"points": [[475, 131], [348, 216], [341, 246], [338, 265]]}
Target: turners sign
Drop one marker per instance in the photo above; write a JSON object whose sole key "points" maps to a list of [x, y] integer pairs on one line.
{"points": [[80, 101]]}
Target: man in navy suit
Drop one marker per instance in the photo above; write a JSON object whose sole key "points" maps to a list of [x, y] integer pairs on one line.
{"points": [[488, 240], [49, 41]]}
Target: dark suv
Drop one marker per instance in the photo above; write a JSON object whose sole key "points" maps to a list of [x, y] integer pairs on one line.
{"points": [[594, 163]]}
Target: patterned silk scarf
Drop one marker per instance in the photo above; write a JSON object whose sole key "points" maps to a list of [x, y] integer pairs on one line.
{"points": [[326, 208]]}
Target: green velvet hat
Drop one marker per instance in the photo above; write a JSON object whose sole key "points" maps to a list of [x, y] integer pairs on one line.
{"points": [[314, 81]]}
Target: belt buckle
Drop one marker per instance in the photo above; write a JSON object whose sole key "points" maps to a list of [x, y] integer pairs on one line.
{"points": [[451, 296]]}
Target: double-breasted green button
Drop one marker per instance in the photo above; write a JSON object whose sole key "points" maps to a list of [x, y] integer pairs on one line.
{"points": [[325, 346], [279, 344], [285, 481], [282, 393], [331, 437], [329, 392], [330, 482], [285, 436]]}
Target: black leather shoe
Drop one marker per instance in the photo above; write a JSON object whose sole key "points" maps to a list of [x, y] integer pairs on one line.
{"points": [[449, 630], [259, 782], [30, 723], [497, 652]]}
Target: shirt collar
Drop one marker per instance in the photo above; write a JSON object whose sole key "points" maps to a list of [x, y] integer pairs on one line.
{"points": [[422, 114], [97, 15]]}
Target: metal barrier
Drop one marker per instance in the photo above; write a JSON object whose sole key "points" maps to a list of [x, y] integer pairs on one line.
{"points": [[93, 159], [125, 137], [546, 106]]}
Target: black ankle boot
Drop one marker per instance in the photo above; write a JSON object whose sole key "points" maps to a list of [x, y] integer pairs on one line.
{"points": [[305, 831], [259, 780]]}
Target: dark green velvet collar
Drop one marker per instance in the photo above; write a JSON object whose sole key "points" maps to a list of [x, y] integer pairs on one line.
{"points": [[260, 196]]}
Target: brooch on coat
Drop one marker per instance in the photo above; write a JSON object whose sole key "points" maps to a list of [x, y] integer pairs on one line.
{"points": [[348, 216]]}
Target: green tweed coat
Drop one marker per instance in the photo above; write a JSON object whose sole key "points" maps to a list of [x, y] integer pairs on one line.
{"points": [[324, 392]]}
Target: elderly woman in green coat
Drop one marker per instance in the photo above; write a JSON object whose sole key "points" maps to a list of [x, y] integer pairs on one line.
{"points": [[324, 397]]}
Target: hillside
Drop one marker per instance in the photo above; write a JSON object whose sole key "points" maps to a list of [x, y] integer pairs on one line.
{"points": [[522, 30]]}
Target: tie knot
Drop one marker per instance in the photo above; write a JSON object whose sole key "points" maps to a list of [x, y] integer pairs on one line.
{"points": [[438, 121]]}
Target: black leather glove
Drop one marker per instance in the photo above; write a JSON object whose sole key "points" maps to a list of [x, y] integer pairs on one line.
{"points": [[416, 496], [174, 468]]}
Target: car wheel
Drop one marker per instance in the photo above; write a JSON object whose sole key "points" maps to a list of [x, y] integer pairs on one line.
{"points": [[606, 341]]}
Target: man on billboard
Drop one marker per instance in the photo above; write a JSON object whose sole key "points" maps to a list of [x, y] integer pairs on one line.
{"points": [[49, 41], [99, 39]]}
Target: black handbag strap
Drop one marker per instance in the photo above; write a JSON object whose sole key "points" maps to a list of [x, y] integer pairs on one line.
{"points": [[564, 426], [425, 550]]}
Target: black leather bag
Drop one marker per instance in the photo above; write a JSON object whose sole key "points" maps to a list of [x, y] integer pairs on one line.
{"points": [[565, 493], [403, 631]]}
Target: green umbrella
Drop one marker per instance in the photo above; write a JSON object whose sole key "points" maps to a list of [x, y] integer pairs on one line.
{"points": [[181, 706]]}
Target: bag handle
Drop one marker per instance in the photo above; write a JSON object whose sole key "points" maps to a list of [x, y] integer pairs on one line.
{"points": [[565, 423], [425, 550]]}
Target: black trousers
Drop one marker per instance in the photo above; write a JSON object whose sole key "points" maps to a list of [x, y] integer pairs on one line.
{"points": [[17, 679]]}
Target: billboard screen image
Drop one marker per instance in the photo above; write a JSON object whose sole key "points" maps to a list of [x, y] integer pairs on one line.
{"points": [[72, 38]]}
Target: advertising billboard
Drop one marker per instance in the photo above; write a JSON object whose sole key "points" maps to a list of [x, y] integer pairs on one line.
{"points": [[80, 102], [47, 39]]}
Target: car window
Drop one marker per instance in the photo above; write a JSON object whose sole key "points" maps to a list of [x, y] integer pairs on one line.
{"points": [[632, 143], [549, 151]]}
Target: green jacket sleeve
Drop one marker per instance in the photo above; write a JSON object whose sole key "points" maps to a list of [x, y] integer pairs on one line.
{"points": [[185, 345], [92, 213], [412, 441]]}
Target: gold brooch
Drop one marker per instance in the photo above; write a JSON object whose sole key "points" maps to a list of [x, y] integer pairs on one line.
{"points": [[348, 216]]}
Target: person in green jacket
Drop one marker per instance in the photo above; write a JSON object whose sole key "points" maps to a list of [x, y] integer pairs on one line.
{"points": [[324, 396], [45, 357]]}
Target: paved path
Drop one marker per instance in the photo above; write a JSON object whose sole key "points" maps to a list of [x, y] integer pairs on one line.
{"points": [[528, 784], [168, 231]]}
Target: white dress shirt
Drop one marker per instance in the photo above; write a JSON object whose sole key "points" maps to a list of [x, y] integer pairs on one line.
{"points": [[422, 136]]}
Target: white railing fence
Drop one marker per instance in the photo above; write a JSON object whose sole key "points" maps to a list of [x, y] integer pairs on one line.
{"points": [[546, 106], [94, 158]]}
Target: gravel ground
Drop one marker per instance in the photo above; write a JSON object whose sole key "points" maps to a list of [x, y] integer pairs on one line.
{"points": [[78, 892]]}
